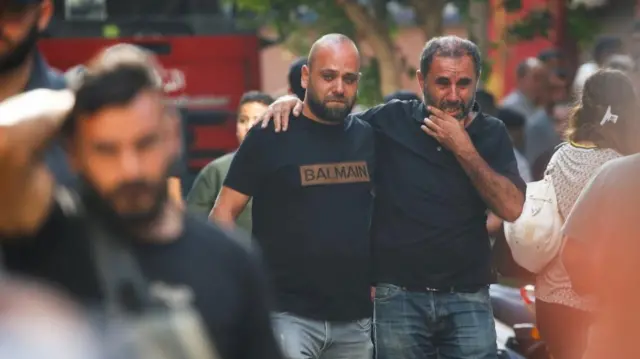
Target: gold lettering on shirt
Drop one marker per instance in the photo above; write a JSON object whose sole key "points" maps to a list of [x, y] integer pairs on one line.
{"points": [[334, 173]]}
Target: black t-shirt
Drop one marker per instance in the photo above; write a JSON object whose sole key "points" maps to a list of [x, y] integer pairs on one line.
{"points": [[225, 280], [312, 198], [429, 223]]}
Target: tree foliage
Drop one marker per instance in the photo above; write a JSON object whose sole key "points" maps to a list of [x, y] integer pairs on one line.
{"points": [[299, 21]]}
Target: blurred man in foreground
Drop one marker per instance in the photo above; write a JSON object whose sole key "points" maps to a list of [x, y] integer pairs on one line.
{"points": [[119, 136]]}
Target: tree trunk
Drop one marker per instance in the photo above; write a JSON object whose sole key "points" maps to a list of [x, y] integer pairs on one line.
{"points": [[429, 16], [479, 22], [377, 36]]}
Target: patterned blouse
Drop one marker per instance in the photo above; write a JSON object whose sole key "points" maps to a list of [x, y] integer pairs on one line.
{"points": [[570, 169]]}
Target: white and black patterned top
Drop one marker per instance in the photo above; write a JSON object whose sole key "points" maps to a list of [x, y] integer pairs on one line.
{"points": [[571, 168]]}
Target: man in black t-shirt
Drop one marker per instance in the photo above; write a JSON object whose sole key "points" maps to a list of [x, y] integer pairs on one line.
{"points": [[119, 136], [312, 198], [441, 164]]}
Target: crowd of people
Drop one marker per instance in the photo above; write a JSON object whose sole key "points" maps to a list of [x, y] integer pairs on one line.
{"points": [[328, 234]]}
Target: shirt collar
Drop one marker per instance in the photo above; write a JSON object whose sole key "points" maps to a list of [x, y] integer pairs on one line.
{"points": [[40, 77]]}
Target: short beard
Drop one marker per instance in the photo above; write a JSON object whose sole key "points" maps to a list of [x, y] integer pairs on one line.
{"points": [[333, 115], [443, 105], [22, 51], [102, 209]]}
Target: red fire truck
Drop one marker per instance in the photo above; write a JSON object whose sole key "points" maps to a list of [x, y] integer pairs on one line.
{"points": [[195, 38]]}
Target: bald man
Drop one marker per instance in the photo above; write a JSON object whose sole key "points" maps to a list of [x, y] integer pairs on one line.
{"points": [[312, 202], [532, 77]]}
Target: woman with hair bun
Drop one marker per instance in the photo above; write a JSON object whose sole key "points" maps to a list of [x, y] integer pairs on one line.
{"points": [[602, 127]]}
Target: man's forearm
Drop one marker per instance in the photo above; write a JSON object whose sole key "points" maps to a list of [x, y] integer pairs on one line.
{"points": [[499, 193]]}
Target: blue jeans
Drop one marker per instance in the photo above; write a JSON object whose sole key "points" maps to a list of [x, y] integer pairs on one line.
{"points": [[302, 338], [433, 325]]}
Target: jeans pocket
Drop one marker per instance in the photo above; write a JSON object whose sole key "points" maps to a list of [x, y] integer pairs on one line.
{"points": [[385, 292], [364, 324]]}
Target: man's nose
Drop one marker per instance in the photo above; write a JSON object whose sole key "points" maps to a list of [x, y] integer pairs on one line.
{"points": [[339, 87], [129, 164], [452, 94]]}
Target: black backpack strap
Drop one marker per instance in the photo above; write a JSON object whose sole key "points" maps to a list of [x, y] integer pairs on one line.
{"points": [[125, 288]]}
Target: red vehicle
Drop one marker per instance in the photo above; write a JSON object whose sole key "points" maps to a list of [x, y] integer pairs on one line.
{"points": [[193, 38]]}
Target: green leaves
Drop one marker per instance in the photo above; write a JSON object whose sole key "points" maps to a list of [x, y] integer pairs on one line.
{"points": [[533, 24]]}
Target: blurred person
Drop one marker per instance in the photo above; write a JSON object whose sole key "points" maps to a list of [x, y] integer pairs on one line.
{"points": [[596, 136], [531, 84], [514, 122], [174, 185], [486, 101], [123, 194], [620, 62], [295, 75], [312, 201], [603, 226], [208, 183], [551, 58], [401, 95], [22, 68], [541, 132], [604, 47], [634, 41], [441, 164], [37, 321]]}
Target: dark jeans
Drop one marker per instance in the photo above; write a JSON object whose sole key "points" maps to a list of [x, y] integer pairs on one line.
{"points": [[564, 329], [433, 325]]}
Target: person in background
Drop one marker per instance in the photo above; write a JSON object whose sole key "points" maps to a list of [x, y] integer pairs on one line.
{"points": [[22, 68], [634, 42], [551, 58], [295, 75], [528, 95], [603, 126], [514, 121], [487, 102], [208, 183], [543, 131], [402, 95], [605, 46], [621, 62]]}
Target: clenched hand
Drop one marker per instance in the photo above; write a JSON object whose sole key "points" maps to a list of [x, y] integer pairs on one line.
{"points": [[449, 131]]}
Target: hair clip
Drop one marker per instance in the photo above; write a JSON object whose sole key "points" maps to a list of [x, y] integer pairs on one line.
{"points": [[608, 117]]}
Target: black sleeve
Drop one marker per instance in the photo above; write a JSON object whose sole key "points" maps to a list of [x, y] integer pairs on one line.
{"points": [[248, 167], [377, 114], [503, 159], [24, 254], [258, 336]]}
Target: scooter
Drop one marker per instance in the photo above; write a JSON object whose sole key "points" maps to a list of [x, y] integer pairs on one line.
{"points": [[514, 315]]}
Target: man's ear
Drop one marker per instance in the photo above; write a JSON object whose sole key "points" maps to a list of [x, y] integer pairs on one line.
{"points": [[304, 79], [45, 13], [420, 79]]}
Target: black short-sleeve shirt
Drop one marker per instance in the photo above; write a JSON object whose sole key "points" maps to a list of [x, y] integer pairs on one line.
{"points": [[429, 223], [312, 198], [227, 283]]}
